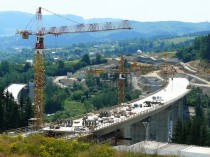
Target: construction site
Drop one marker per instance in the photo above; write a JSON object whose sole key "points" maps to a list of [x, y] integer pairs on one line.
{"points": [[158, 72], [152, 116]]}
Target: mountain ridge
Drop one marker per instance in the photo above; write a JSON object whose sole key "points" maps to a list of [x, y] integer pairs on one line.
{"points": [[13, 20]]}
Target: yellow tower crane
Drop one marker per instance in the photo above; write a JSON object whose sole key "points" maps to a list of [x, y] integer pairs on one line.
{"points": [[39, 52], [121, 82], [167, 69], [142, 69]]}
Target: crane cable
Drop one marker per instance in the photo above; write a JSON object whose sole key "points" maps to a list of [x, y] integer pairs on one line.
{"points": [[33, 19], [61, 16], [31, 22]]}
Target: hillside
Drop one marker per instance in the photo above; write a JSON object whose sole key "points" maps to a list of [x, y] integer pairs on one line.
{"points": [[11, 21], [198, 50], [40, 146]]}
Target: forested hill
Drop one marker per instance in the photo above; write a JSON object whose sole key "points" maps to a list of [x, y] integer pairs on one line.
{"points": [[200, 49], [11, 21]]}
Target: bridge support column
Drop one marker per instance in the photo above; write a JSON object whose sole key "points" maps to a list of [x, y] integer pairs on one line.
{"points": [[163, 123], [127, 134], [176, 113], [159, 125], [140, 131]]}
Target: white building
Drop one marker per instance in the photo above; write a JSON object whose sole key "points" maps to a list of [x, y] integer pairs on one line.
{"points": [[16, 90]]}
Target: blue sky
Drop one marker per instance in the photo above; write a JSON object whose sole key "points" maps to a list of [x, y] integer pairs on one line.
{"points": [[140, 10]]}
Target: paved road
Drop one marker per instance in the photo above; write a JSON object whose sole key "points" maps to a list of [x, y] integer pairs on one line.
{"points": [[56, 81], [199, 78], [135, 83], [200, 85]]}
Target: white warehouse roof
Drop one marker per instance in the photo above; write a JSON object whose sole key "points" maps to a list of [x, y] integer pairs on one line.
{"points": [[15, 89], [153, 147]]}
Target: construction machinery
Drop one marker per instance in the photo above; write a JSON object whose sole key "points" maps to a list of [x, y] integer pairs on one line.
{"points": [[96, 72], [121, 82], [136, 68], [39, 52], [142, 69], [167, 70]]}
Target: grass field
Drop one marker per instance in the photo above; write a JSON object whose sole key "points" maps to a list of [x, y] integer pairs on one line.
{"points": [[74, 106], [180, 39], [73, 61]]}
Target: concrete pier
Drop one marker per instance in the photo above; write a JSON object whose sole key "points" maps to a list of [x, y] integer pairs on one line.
{"points": [[159, 126]]}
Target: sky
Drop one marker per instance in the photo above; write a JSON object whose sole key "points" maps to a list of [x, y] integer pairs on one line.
{"points": [[139, 10]]}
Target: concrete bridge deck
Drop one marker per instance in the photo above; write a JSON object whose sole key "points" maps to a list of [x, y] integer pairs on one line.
{"points": [[133, 112]]}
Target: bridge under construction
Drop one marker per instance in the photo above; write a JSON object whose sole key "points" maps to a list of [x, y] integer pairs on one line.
{"points": [[108, 120]]}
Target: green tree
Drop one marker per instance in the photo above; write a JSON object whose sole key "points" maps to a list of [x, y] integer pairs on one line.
{"points": [[198, 50], [86, 59], [177, 137], [15, 118], [77, 95], [27, 110], [26, 67], [88, 105], [205, 47], [61, 68], [2, 122], [54, 98], [4, 68], [90, 80], [204, 135]]}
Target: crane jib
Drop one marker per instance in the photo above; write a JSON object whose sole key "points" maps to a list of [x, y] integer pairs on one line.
{"points": [[80, 28], [39, 54]]}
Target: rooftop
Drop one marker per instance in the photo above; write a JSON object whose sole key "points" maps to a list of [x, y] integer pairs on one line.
{"points": [[15, 89], [153, 147]]}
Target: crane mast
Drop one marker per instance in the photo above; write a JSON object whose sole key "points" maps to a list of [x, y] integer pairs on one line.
{"points": [[39, 53], [121, 82], [39, 73]]}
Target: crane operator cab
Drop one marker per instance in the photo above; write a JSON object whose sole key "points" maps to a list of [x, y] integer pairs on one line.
{"points": [[40, 39], [40, 42]]}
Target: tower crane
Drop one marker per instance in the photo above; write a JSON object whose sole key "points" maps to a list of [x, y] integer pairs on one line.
{"points": [[167, 70], [39, 52], [142, 69], [121, 83], [122, 71]]}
